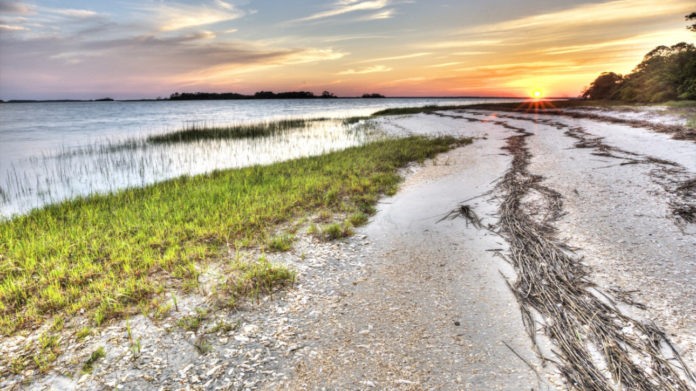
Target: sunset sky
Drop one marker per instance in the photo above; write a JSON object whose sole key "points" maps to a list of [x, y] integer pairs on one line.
{"points": [[147, 48]]}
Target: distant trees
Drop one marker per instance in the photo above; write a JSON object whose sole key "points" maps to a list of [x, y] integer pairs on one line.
{"points": [[373, 96], [666, 73], [327, 94], [258, 95]]}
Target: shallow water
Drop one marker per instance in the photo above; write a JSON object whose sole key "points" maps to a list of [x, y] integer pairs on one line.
{"points": [[55, 151]]}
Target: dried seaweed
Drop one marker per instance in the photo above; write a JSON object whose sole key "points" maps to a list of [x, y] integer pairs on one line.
{"points": [[600, 347]]}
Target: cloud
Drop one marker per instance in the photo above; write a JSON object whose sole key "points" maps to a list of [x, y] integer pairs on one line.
{"points": [[464, 43], [403, 57], [224, 5], [612, 12], [641, 39], [172, 18], [223, 72], [75, 13], [468, 53], [148, 62], [373, 69], [5, 27], [386, 14], [10, 7], [339, 38], [344, 7], [444, 65]]}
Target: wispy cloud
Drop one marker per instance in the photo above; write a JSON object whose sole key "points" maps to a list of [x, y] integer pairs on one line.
{"points": [[340, 38], [224, 5], [444, 65], [6, 27], [393, 58], [386, 14], [372, 69], [344, 7], [74, 13], [180, 16], [469, 53], [591, 14], [464, 43], [641, 39], [11, 7]]}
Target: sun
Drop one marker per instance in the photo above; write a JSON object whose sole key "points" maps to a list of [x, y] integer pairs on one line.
{"points": [[536, 94]]}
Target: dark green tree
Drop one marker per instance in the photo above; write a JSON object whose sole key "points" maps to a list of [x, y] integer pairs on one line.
{"points": [[605, 86]]}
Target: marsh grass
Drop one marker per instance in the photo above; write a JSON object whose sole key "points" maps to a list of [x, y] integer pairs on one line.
{"points": [[195, 133], [112, 165], [110, 255]]}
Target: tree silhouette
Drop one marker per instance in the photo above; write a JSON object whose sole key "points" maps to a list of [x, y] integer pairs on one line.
{"points": [[605, 86], [690, 17], [327, 94]]}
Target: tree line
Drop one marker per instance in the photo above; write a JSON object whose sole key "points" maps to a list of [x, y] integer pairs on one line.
{"points": [[666, 73], [258, 95]]}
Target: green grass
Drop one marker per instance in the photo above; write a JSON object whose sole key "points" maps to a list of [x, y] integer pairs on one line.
{"points": [[679, 104], [281, 242], [196, 133], [193, 322], [691, 121], [93, 358], [83, 333], [108, 254], [336, 231], [358, 219], [251, 279]]}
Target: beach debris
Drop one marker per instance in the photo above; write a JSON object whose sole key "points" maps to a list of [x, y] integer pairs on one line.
{"points": [[464, 211], [596, 345]]}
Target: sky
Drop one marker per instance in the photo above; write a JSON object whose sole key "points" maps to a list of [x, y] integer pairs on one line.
{"points": [[129, 49]]}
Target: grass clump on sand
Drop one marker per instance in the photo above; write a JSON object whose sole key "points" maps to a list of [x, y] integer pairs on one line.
{"points": [[281, 242], [93, 358], [108, 256], [335, 231], [196, 133], [251, 279]]}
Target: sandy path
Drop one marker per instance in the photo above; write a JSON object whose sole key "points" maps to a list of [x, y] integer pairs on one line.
{"points": [[432, 311]]}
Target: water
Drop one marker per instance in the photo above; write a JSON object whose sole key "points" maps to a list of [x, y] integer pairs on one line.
{"points": [[55, 151]]}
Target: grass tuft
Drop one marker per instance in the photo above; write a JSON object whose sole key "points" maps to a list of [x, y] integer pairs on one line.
{"points": [[336, 231], [93, 358], [358, 219], [280, 243], [255, 278]]}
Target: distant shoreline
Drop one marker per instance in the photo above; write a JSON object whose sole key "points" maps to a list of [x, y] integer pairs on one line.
{"points": [[315, 98]]}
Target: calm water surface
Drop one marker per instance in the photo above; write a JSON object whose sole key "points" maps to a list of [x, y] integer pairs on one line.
{"points": [[55, 151]]}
